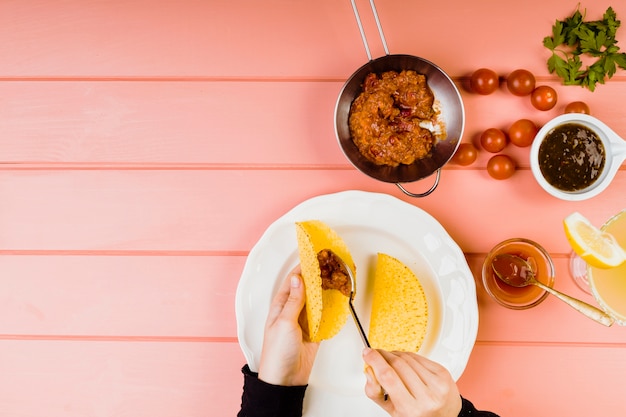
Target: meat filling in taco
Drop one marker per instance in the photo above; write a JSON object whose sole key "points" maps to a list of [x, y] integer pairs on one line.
{"points": [[334, 276]]}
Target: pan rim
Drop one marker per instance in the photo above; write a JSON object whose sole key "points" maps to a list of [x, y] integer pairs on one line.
{"points": [[424, 167]]}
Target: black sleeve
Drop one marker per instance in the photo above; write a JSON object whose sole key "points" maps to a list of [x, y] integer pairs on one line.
{"points": [[468, 410], [260, 399]]}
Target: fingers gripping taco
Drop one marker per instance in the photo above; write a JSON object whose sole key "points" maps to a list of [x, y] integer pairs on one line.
{"points": [[327, 289], [399, 316]]}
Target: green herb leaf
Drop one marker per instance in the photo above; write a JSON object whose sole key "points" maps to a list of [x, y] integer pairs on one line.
{"points": [[549, 43], [558, 65], [595, 38], [620, 60], [570, 72], [558, 37]]}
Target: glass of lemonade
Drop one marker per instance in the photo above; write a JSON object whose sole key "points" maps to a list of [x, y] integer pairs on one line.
{"points": [[608, 286]]}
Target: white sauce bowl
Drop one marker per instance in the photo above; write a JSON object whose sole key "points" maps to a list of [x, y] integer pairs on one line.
{"points": [[614, 148]]}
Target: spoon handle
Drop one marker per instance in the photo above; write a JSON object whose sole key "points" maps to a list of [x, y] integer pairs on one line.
{"points": [[358, 324], [588, 310]]}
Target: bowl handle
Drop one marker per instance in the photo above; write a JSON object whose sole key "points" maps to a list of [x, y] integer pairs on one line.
{"points": [[424, 194]]}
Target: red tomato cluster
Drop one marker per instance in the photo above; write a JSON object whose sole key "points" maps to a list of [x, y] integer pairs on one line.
{"points": [[520, 82], [522, 132]]}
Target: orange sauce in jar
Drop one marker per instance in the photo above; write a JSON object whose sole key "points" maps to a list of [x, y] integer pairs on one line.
{"points": [[519, 297]]}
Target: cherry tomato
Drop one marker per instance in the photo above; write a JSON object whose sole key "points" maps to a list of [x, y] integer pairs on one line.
{"points": [[543, 97], [493, 140], [577, 107], [500, 167], [520, 82], [523, 132], [466, 154], [484, 81]]}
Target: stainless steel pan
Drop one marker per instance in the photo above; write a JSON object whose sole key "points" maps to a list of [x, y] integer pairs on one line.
{"points": [[445, 92]]}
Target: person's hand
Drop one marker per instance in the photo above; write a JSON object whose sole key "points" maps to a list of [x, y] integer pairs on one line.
{"points": [[287, 356], [416, 386]]}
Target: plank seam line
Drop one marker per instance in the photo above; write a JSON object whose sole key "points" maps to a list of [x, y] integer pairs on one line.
{"points": [[232, 339], [157, 252], [182, 166], [552, 344], [175, 79], [190, 166], [223, 78], [115, 252], [113, 338]]}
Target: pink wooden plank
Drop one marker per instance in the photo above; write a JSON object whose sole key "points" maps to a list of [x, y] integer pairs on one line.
{"points": [[222, 123], [175, 39], [192, 298], [283, 39], [93, 379], [185, 210], [546, 380], [127, 296], [88, 379], [169, 123]]}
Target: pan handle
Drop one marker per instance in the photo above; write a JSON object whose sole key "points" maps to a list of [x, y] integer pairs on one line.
{"points": [[378, 25], [424, 194]]}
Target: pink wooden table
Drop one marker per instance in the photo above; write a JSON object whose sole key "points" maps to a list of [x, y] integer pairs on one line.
{"points": [[146, 145]]}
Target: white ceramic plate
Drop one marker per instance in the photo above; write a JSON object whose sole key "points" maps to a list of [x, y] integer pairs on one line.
{"points": [[369, 223]]}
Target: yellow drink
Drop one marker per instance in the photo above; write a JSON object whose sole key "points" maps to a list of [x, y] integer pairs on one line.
{"points": [[609, 285]]}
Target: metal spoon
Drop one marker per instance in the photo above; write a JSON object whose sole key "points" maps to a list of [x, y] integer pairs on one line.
{"points": [[349, 273], [517, 272], [346, 270]]}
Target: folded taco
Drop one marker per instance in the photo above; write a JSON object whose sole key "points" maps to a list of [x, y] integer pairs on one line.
{"points": [[327, 288], [399, 317]]}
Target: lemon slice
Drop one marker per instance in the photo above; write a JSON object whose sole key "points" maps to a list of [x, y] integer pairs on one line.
{"points": [[597, 248]]}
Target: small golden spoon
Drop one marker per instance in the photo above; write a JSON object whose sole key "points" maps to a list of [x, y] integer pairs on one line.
{"points": [[517, 272]]}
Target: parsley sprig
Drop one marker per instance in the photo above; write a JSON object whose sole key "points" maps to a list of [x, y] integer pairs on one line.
{"points": [[574, 37]]}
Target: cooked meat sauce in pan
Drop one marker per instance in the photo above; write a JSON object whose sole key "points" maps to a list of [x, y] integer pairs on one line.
{"points": [[387, 118], [333, 274]]}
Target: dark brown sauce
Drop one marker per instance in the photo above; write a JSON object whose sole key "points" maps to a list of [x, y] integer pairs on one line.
{"points": [[571, 157]]}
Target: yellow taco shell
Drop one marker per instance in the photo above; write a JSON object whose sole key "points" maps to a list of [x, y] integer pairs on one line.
{"points": [[399, 317], [327, 310]]}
